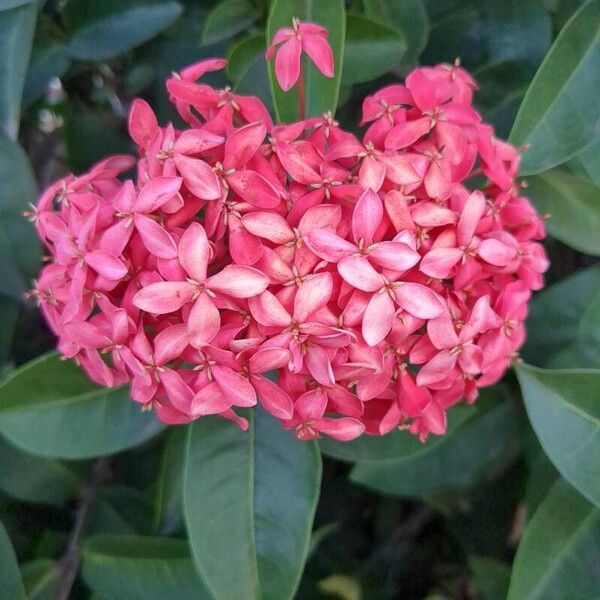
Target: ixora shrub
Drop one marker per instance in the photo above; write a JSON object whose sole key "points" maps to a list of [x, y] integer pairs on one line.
{"points": [[260, 280]]}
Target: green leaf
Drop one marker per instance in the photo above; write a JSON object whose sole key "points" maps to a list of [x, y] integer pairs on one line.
{"points": [[396, 444], [560, 114], [491, 577], [555, 314], [17, 24], [574, 207], [247, 69], [475, 450], [228, 18], [564, 410], [168, 509], [517, 30], [40, 578], [321, 93], [19, 246], [371, 50], [49, 58], [408, 17], [558, 554], [102, 30], [11, 587], [10, 315], [587, 162], [249, 502], [49, 407], [141, 568], [588, 337], [33, 478]]}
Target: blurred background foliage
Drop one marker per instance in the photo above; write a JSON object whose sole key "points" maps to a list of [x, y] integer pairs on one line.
{"points": [[395, 519]]}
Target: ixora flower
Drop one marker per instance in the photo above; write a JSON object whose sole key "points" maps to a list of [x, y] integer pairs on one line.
{"points": [[375, 277]]}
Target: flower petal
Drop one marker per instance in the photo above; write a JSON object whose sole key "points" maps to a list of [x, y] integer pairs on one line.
{"points": [[378, 318], [395, 256], [275, 400], [156, 192], [203, 322], [287, 63], [419, 300], [320, 53], [367, 216], [157, 239], [106, 264], [359, 273], [235, 387], [198, 177], [194, 252], [268, 311], [328, 245], [238, 281], [313, 294], [163, 297]]}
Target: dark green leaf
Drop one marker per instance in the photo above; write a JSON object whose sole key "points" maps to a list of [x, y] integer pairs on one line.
{"points": [[228, 18], [555, 314], [249, 501], [408, 17], [321, 92], [19, 247], [517, 30], [10, 314], [40, 578], [560, 115], [103, 30], [396, 444], [573, 205], [371, 50], [474, 451], [491, 577], [558, 554], [247, 69], [17, 24], [587, 162], [168, 509], [564, 410], [33, 478], [49, 58], [49, 407], [11, 586], [141, 568]]}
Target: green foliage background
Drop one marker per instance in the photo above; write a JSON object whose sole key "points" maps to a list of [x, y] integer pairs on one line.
{"points": [[99, 502]]}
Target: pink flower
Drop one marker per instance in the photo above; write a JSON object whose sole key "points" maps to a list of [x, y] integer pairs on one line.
{"points": [[309, 37]]}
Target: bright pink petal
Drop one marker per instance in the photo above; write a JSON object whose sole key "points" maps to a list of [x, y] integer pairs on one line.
{"points": [[328, 245], [407, 133], [157, 239], [238, 281], [441, 332], [268, 311], [142, 123], [269, 359], [318, 365], [496, 252], [343, 429], [275, 400], [253, 188], [203, 322], [195, 141], [156, 192], [471, 214], [311, 405], [437, 368], [236, 387], [268, 225], [163, 297], [378, 318], [419, 300], [287, 63], [395, 256], [367, 216], [313, 294], [243, 144], [358, 272], [439, 262], [198, 177], [170, 343], [320, 53], [106, 264], [194, 252], [210, 400]]}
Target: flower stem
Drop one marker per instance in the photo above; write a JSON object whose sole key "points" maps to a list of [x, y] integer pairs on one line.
{"points": [[300, 90]]}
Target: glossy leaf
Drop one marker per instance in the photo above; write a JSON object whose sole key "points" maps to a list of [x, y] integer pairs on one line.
{"points": [[228, 18], [141, 568], [558, 554], [247, 69], [168, 497], [573, 205], [559, 115], [371, 50], [11, 587], [587, 162], [321, 93], [33, 478], [491, 577], [408, 17], [588, 336], [49, 407], [249, 501], [396, 444], [99, 31], [17, 24], [40, 578], [564, 410], [473, 452], [19, 247], [555, 314], [517, 30]]}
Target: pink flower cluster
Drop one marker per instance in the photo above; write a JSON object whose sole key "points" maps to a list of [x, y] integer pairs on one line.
{"points": [[382, 279]]}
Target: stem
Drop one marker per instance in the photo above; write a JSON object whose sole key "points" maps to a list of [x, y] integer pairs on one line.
{"points": [[69, 564], [300, 90]]}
